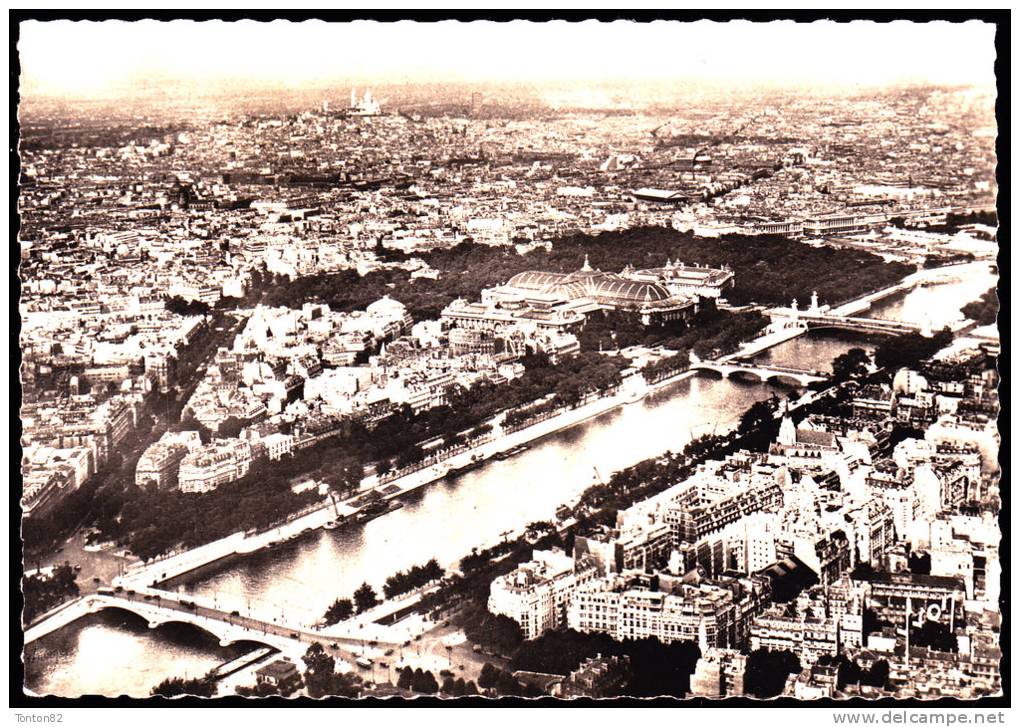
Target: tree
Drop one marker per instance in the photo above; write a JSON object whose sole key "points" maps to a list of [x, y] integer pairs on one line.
{"points": [[321, 678], [424, 682], [365, 598], [850, 365], [985, 310], [919, 563], [410, 456], [230, 427], [871, 623], [448, 686], [507, 685], [346, 685], [406, 678], [261, 689], [470, 689], [767, 671], [909, 349], [934, 635], [496, 632], [42, 592], [419, 575], [181, 307], [757, 415], [319, 670], [190, 423], [178, 687], [878, 675], [341, 610], [432, 571], [349, 477], [531, 690], [850, 672], [863, 571], [490, 674]]}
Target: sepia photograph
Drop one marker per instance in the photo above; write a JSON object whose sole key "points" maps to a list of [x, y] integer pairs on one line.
{"points": [[470, 362]]}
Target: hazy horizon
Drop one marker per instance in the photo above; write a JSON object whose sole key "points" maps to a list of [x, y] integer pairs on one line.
{"points": [[111, 59]]}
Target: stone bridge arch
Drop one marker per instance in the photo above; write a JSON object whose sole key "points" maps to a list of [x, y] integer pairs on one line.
{"points": [[225, 633], [714, 371], [785, 379], [742, 374]]}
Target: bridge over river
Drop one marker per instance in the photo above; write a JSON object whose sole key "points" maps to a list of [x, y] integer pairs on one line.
{"points": [[762, 371], [230, 627], [843, 317], [863, 325]]}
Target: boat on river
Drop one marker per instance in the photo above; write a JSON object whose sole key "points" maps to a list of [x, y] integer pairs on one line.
{"points": [[377, 509], [513, 451], [474, 464]]}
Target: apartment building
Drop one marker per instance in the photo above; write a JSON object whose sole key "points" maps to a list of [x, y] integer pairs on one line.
{"points": [[214, 464], [634, 605], [536, 593], [161, 461]]}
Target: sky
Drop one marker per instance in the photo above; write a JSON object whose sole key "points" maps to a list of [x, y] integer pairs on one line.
{"points": [[82, 59]]}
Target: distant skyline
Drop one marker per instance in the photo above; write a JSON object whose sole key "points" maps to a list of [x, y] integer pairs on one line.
{"points": [[89, 59]]}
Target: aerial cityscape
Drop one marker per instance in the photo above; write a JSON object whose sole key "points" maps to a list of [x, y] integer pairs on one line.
{"points": [[345, 381]]}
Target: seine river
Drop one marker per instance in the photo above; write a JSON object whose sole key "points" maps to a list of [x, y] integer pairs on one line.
{"points": [[119, 654]]}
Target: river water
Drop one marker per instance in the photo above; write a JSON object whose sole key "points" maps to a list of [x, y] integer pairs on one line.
{"points": [[937, 305], [445, 520], [115, 652]]}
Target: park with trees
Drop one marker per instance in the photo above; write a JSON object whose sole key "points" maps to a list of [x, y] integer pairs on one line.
{"points": [[770, 270], [657, 669], [321, 678], [850, 365], [43, 592], [711, 331], [985, 310], [909, 349]]}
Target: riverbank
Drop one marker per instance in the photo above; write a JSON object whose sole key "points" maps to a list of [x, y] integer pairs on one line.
{"points": [[164, 569], [632, 391]]}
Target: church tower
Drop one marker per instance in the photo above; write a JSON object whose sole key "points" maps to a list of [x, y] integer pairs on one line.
{"points": [[787, 432]]}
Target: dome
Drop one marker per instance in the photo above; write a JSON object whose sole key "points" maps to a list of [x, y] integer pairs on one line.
{"points": [[605, 288], [535, 280], [632, 291], [571, 290], [386, 306], [557, 284]]}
